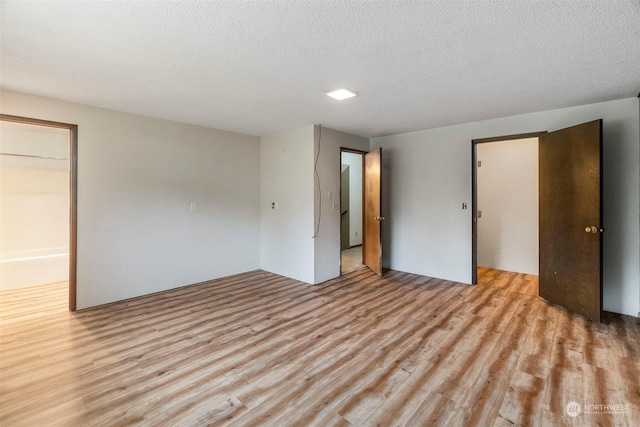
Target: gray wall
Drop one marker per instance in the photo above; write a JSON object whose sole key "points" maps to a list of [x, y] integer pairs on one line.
{"points": [[327, 243], [286, 178]]}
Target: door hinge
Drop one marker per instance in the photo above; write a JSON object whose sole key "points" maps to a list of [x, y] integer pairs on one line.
{"points": [[479, 163]]}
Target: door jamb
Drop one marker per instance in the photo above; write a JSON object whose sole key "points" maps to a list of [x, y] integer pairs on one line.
{"points": [[73, 193], [474, 193]]}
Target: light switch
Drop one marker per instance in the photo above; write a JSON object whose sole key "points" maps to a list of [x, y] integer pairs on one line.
{"points": [[193, 206]]}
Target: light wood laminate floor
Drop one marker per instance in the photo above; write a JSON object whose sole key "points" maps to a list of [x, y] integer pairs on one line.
{"points": [[260, 349], [351, 259]]}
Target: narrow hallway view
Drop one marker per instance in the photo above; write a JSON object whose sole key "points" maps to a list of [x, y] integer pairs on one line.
{"points": [[351, 205]]}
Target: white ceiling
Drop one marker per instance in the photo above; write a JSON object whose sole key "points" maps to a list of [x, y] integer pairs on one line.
{"points": [[262, 67]]}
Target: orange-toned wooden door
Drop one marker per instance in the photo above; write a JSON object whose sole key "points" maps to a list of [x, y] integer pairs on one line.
{"points": [[372, 242], [570, 173]]}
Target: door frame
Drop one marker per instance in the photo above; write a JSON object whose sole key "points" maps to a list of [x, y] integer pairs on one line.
{"points": [[474, 192], [73, 192], [361, 153]]}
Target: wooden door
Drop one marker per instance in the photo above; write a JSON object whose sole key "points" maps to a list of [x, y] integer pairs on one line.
{"points": [[372, 244], [570, 174]]}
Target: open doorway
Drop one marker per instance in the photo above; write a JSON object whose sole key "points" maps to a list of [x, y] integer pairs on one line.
{"points": [[38, 184], [351, 210], [570, 243], [505, 232]]}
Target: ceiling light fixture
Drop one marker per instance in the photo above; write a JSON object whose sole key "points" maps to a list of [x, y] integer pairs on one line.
{"points": [[341, 94]]}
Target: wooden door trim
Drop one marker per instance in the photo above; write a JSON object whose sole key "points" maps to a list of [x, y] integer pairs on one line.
{"points": [[73, 193], [352, 150], [474, 192]]}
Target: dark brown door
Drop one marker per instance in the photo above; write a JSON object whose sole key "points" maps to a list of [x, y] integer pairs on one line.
{"points": [[571, 218], [371, 244]]}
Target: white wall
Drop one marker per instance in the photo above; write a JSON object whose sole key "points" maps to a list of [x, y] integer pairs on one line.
{"points": [[286, 178], [354, 161], [34, 212], [508, 199], [136, 179], [427, 175], [327, 243]]}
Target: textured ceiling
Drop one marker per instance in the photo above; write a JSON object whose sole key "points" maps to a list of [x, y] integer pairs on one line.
{"points": [[262, 67]]}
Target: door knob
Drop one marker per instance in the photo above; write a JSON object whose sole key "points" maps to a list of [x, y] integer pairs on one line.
{"points": [[378, 218], [593, 229]]}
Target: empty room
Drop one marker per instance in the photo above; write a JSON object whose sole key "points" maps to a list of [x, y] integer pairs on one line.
{"points": [[318, 213]]}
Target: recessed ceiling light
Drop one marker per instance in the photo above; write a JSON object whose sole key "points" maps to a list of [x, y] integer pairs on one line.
{"points": [[341, 94]]}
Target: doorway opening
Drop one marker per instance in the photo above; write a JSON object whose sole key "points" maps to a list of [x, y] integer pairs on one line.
{"points": [[505, 212], [570, 223], [38, 160], [351, 209]]}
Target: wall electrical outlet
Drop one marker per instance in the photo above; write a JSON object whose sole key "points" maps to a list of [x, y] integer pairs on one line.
{"points": [[274, 205]]}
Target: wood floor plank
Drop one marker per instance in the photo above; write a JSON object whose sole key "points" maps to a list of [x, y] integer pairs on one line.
{"points": [[261, 349]]}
